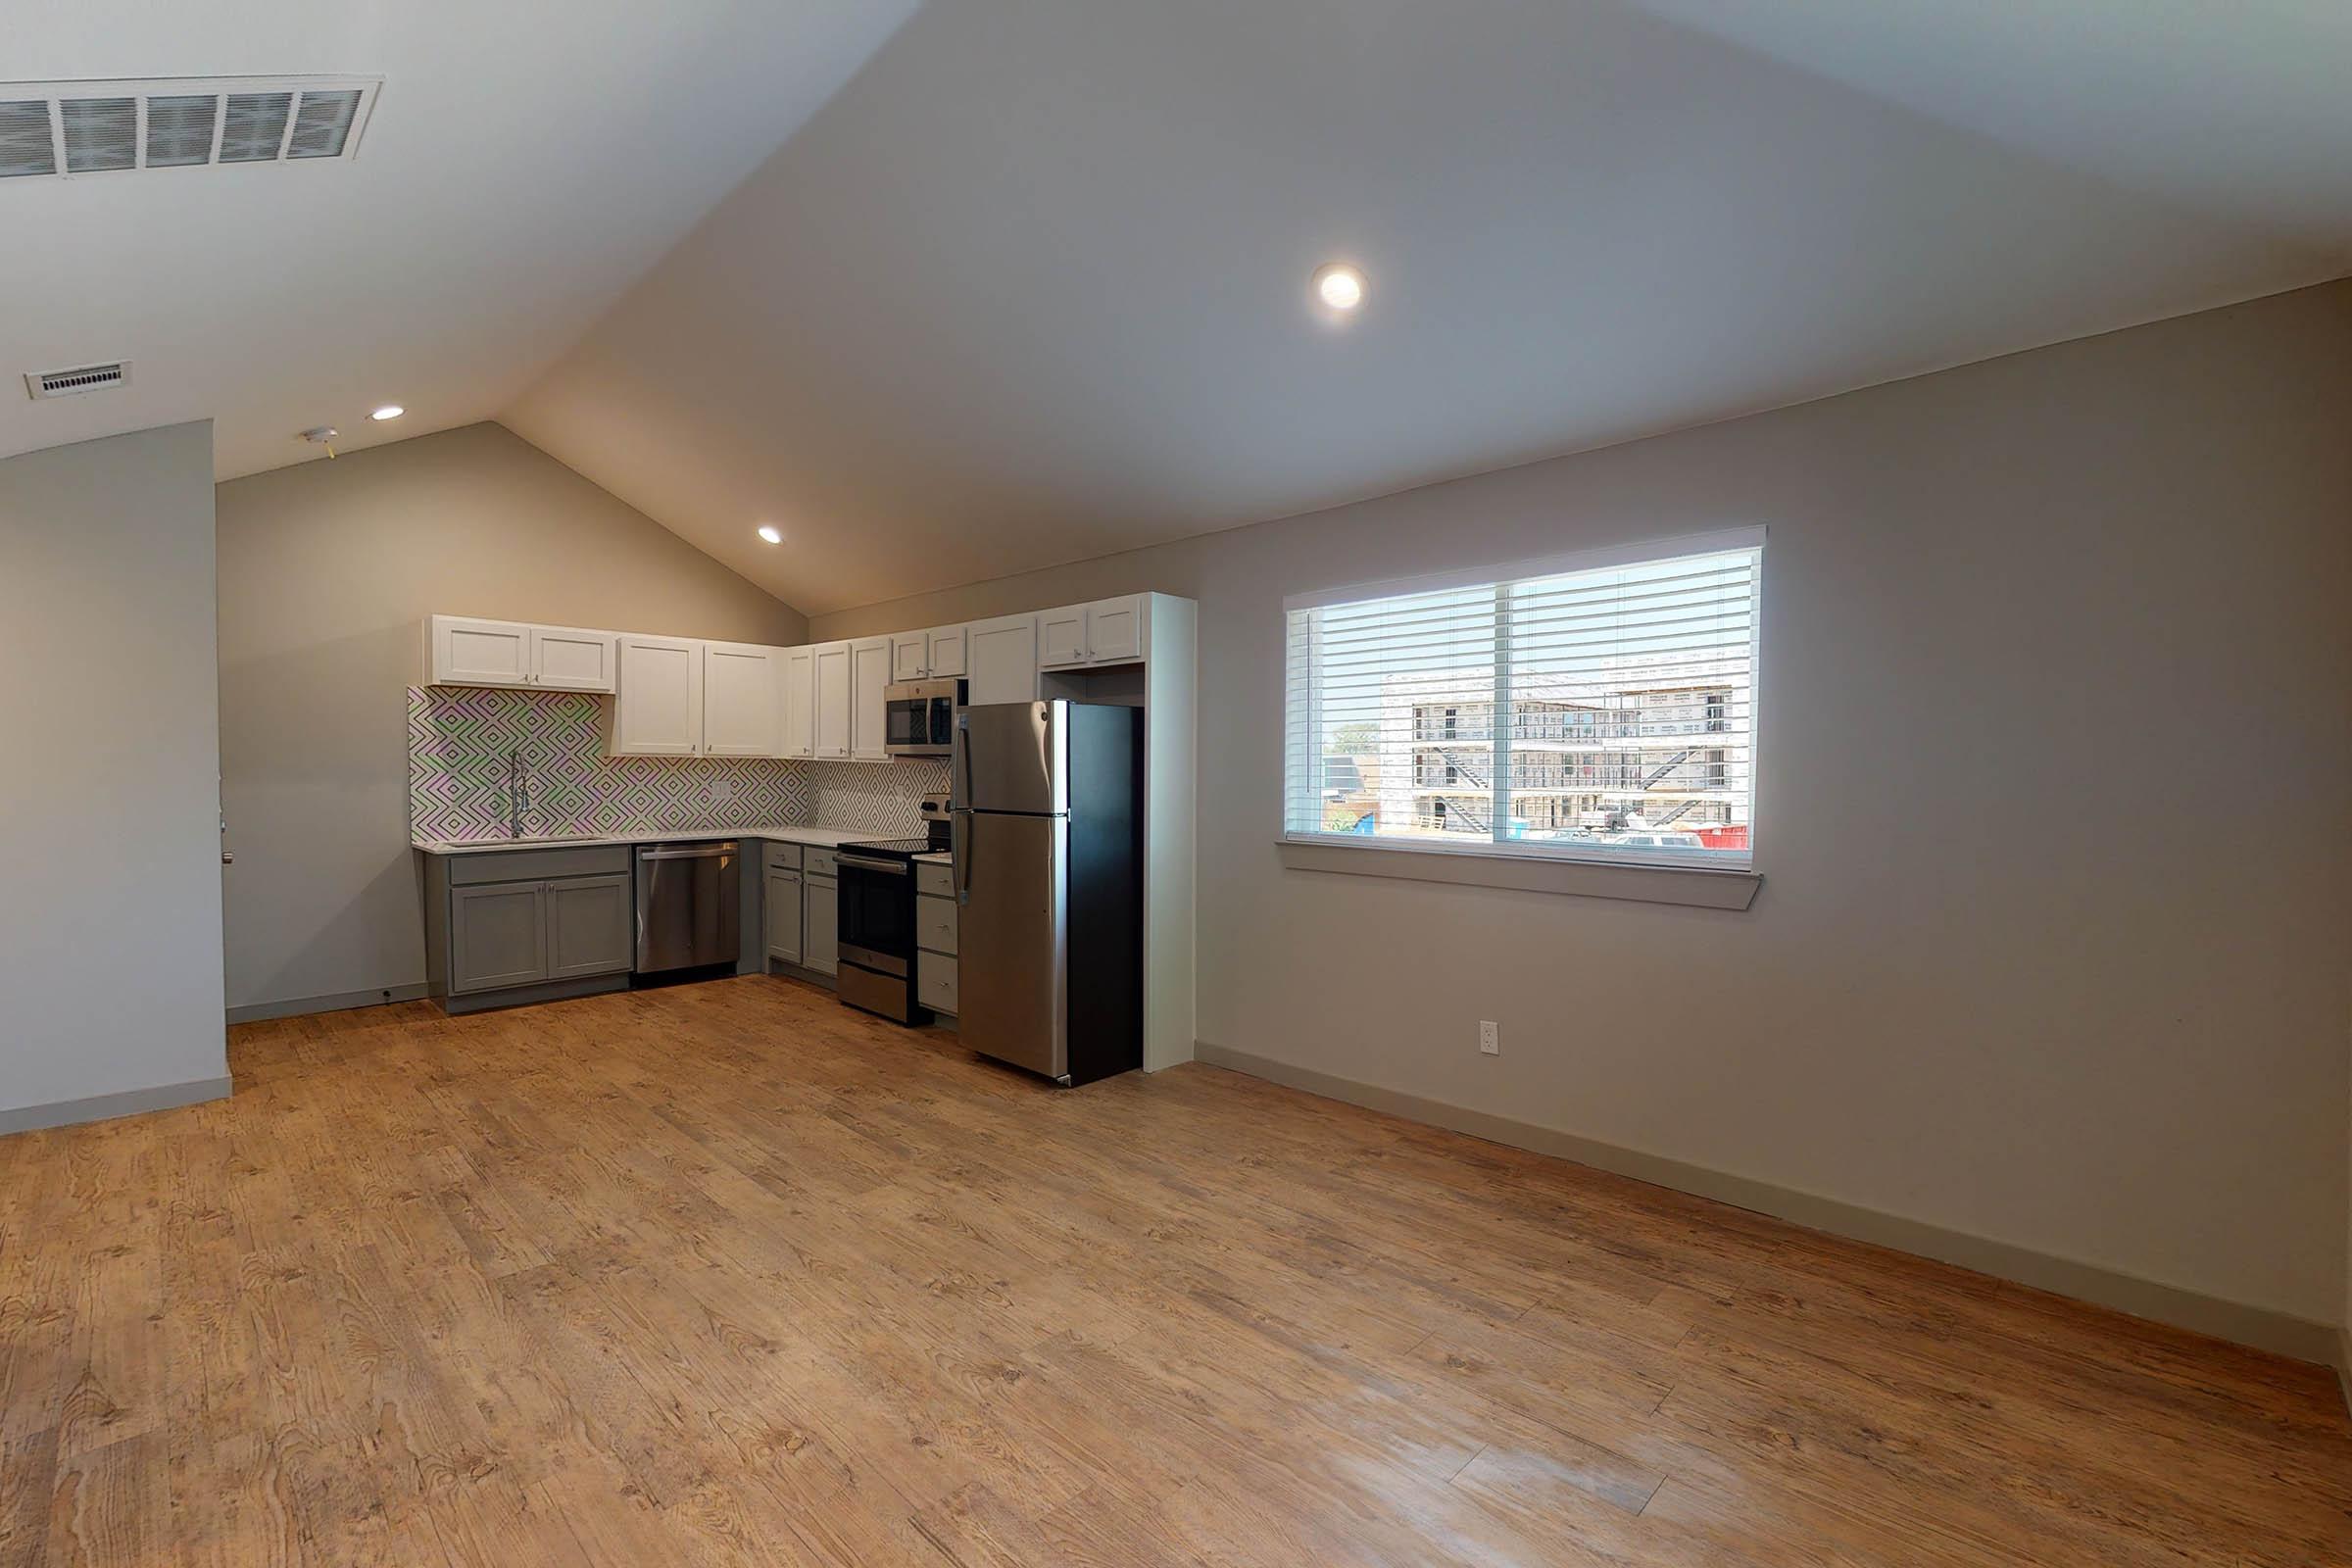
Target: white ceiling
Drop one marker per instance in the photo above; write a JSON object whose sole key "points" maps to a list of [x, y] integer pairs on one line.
{"points": [[524, 164], [1032, 286]]}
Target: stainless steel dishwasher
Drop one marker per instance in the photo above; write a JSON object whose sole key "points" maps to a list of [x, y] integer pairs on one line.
{"points": [[686, 904]]}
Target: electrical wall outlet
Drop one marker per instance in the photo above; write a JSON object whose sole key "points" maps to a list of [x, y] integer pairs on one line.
{"points": [[1490, 1036]]}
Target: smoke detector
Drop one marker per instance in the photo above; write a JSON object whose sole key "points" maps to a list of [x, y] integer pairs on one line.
{"points": [[78, 380], [70, 129]]}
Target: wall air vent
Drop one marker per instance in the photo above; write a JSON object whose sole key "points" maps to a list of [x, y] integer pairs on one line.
{"points": [[81, 379], [95, 127]]}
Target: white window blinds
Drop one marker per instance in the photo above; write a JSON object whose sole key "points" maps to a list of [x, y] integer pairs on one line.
{"points": [[1597, 706]]}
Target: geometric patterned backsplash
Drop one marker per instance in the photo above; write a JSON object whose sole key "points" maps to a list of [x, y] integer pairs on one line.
{"points": [[885, 796], [459, 738]]}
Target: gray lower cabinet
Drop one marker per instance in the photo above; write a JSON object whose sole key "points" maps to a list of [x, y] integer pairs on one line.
{"points": [[935, 981], [497, 936], [784, 914], [591, 926], [821, 933], [936, 918], [497, 933]]}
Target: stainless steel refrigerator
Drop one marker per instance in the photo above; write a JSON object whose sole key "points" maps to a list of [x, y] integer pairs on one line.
{"points": [[1048, 814]]}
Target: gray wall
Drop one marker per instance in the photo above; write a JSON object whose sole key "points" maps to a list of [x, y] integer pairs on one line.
{"points": [[327, 572], [110, 937], [2052, 791]]}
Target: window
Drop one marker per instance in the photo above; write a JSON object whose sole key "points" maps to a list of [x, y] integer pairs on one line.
{"points": [[1600, 707]]}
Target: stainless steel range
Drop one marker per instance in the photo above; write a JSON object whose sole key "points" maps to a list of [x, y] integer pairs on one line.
{"points": [[878, 925]]}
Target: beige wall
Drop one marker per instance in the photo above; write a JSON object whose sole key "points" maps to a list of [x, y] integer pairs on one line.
{"points": [[109, 935], [2051, 811], [327, 572]]}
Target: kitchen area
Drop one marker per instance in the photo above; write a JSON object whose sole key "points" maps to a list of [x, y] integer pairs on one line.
{"points": [[986, 827]]}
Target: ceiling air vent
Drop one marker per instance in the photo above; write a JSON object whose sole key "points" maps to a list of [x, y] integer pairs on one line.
{"points": [[80, 378], [71, 128]]}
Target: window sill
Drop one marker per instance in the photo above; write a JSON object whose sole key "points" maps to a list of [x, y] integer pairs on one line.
{"points": [[1645, 882]]}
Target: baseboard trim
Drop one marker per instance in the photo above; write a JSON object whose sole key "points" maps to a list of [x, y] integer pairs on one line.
{"points": [[2260, 1328], [336, 1001], [105, 1107]]}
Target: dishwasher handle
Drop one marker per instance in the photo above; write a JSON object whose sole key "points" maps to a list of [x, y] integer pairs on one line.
{"points": [[715, 852]]}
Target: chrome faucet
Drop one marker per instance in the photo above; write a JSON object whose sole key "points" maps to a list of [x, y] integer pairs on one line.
{"points": [[518, 792]]}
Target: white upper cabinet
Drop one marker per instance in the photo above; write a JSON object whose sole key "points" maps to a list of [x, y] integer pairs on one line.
{"points": [[685, 697], [476, 653], [869, 684], [463, 651], [798, 668], [1108, 631], [934, 655], [832, 700], [909, 656], [1002, 660], [946, 652], [1061, 637], [568, 658], [1114, 629], [742, 700], [660, 710]]}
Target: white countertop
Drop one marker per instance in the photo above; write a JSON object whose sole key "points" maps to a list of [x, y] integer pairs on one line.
{"points": [[824, 838], [935, 857]]}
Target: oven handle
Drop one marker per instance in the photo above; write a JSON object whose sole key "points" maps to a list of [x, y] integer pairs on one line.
{"points": [[886, 867]]}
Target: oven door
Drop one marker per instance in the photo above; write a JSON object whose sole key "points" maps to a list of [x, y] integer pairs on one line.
{"points": [[877, 913]]}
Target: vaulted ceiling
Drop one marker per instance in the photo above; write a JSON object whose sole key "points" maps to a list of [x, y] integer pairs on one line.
{"points": [[1011, 282], [1034, 286]]}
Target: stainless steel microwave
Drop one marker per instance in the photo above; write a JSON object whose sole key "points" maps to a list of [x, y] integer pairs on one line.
{"points": [[919, 717]]}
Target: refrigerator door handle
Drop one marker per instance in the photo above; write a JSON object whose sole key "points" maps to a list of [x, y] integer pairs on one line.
{"points": [[959, 849]]}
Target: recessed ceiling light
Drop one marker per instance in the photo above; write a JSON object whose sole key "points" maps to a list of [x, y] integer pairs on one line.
{"points": [[772, 533], [390, 410], [1340, 286]]}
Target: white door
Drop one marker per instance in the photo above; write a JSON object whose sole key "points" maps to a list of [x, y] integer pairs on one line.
{"points": [[478, 653], [739, 700], [946, 652], [869, 687], [659, 711], [909, 656], [799, 702], [1002, 655], [1061, 637], [569, 659], [832, 699], [1114, 629]]}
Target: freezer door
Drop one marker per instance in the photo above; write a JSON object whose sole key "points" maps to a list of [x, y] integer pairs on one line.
{"points": [[1009, 757], [1013, 941]]}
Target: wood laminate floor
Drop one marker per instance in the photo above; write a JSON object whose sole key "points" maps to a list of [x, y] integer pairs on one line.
{"points": [[726, 1274]]}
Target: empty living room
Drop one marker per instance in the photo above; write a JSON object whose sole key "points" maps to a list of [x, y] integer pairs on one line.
{"points": [[1109, 784]]}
